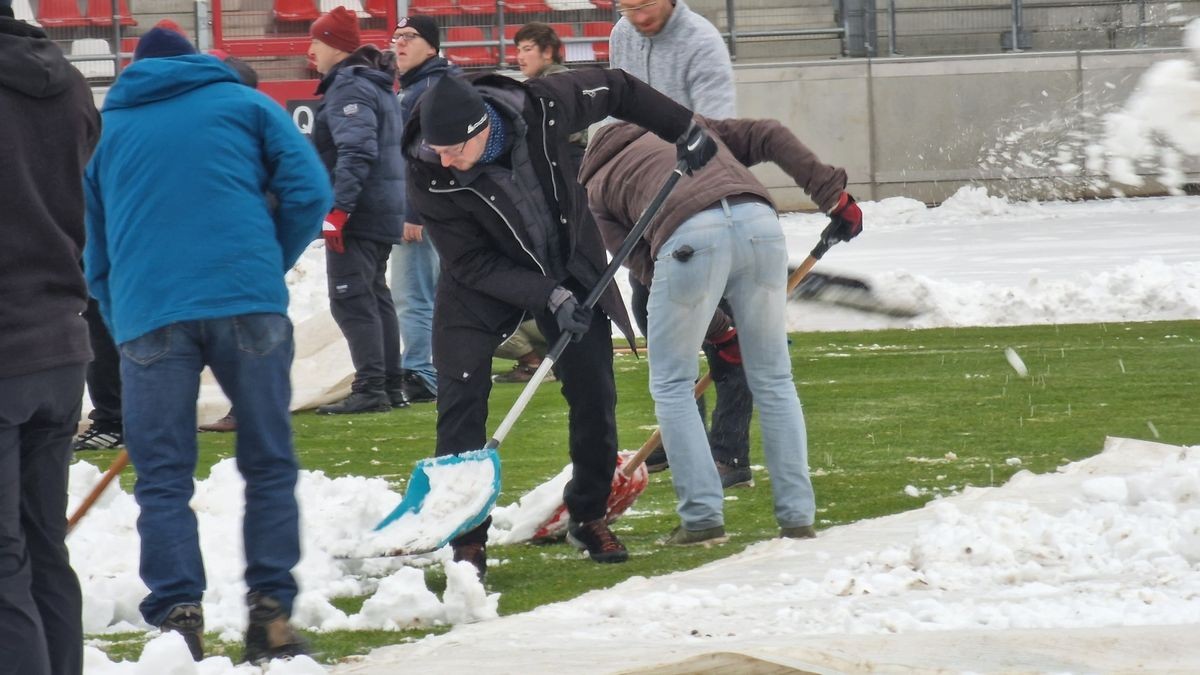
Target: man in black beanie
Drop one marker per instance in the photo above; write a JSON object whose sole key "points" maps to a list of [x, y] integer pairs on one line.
{"points": [[489, 173], [48, 128]]}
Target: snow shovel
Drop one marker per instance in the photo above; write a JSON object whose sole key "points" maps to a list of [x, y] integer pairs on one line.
{"points": [[631, 478], [118, 465], [421, 489]]}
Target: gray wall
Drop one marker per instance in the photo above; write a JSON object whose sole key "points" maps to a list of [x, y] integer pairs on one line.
{"points": [[923, 127]]}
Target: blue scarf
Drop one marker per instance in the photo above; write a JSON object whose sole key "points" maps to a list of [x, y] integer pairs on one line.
{"points": [[497, 135]]}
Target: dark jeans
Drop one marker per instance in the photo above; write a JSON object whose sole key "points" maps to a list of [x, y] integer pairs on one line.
{"points": [[585, 371], [251, 356], [104, 372], [729, 433], [41, 609], [361, 304]]}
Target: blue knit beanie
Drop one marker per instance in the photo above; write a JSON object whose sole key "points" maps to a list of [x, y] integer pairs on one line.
{"points": [[161, 42]]}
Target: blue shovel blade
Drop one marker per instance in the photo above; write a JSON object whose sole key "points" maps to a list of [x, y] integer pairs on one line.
{"points": [[419, 487]]}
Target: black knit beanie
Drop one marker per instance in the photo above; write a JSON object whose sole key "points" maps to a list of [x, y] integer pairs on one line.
{"points": [[452, 112]]}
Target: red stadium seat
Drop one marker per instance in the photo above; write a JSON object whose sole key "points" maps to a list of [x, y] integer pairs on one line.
{"points": [[378, 9], [433, 7], [599, 29], [60, 13], [603, 4], [469, 56], [295, 10], [526, 6], [100, 13], [477, 7]]}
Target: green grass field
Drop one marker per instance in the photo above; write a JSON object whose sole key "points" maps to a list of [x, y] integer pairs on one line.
{"points": [[933, 409]]}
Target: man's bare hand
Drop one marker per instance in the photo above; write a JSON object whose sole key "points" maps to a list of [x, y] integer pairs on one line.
{"points": [[412, 232]]}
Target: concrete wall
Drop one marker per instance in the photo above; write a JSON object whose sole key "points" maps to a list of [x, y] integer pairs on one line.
{"points": [[923, 127]]}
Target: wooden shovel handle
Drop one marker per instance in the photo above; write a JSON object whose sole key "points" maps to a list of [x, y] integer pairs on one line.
{"points": [[118, 465], [705, 382]]}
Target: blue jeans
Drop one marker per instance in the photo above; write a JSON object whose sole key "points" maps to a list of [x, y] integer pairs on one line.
{"points": [[740, 254], [414, 282], [251, 357]]}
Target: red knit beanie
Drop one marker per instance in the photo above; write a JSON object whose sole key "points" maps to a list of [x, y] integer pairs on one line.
{"points": [[338, 29]]}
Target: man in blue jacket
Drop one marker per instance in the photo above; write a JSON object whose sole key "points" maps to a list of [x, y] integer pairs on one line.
{"points": [[186, 260], [357, 133]]}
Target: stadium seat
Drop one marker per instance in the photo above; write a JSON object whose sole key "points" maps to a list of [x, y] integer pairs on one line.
{"points": [[377, 8], [93, 47], [603, 4], [433, 7], [128, 45], [469, 56], [100, 13], [352, 5], [477, 7], [599, 29], [60, 14], [526, 6], [295, 10]]}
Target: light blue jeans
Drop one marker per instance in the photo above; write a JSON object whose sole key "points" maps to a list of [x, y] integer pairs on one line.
{"points": [[414, 282], [739, 254]]}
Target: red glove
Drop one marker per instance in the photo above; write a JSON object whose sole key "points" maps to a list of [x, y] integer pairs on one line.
{"points": [[847, 217], [331, 230], [727, 347]]}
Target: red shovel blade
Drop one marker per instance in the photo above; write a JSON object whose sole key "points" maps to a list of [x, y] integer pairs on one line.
{"points": [[625, 491]]}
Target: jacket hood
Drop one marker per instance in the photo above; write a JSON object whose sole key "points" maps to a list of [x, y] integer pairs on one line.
{"points": [[607, 143], [434, 65], [366, 61], [30, 62], [158, 79]]}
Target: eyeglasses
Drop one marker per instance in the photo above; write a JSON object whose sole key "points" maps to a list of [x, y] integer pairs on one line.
{"points": [[409, 37], [451, 151], [626, 11]]}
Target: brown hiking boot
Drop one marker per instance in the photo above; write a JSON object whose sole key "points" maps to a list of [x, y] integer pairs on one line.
{"points": [[269, 635], [224, 425], [734, 476], [476, 554], [188, 621], [709, 536], [798, 532], [522, 373], [599, 541]]}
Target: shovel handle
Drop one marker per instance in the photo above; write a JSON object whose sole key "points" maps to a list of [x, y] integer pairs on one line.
{"points": [[118, 465], [705, 382]]}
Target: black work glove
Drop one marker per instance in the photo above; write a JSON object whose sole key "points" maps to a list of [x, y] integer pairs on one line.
{"points": [[570, 316], [696, 147]]}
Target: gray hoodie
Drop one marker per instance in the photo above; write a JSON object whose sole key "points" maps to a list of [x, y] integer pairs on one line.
{"points": [[687, 60]]}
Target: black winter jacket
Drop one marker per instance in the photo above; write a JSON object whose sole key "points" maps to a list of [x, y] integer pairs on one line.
{"points": [[48, 129], [489, 276], [358, 131]]}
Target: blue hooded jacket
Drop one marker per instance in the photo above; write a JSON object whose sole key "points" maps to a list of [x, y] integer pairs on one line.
{"points": [[178, 225]]}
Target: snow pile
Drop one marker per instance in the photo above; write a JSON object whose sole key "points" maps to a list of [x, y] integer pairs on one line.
{"points": [[333, 511], [518, 521]]}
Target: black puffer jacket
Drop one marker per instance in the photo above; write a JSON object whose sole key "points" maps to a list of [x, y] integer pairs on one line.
{"points": [[489, 275], [358, 131], [48, 129]]}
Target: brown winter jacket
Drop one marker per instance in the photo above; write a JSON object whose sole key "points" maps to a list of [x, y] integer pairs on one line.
{"points": [[625, 166]]}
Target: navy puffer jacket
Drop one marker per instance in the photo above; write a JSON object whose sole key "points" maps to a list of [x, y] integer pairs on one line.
{"points": [[358, 131]]}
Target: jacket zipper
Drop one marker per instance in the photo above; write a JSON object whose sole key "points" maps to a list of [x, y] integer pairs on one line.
{"points": [[532, 257], [506, 223]]}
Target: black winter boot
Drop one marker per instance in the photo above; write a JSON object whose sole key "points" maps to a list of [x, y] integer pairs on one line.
{"points": [[358, 402], [188, 621]]}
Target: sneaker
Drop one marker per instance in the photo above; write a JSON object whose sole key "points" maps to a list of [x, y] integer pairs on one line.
{"points": [[709, 536], [522, 373], [358, 402], [476, 554], [657, 461], [734, 476], [416, 390], [99, 437], [269, 635], [188, 621], [599, 541], [224, 425], [800, 532]]}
